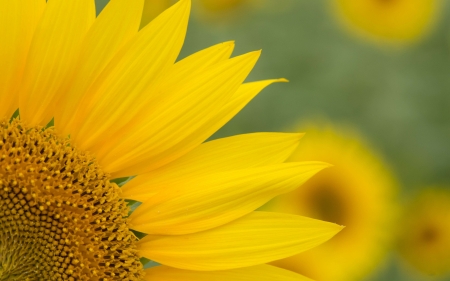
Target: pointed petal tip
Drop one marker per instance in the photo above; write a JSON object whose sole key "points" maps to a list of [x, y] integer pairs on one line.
{"points": [[314, 166], [301, 134], [276, 80], [327, 165], [295, 135], [184, 5], [253, 54], [318, 165], [333, 230], [298, 137], [250, 57], [330, 229], [339, 228], [256, 53], [335, 227], [229, 43]]}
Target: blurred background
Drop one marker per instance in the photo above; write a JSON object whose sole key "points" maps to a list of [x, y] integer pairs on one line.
{"points": [[371, 80]]}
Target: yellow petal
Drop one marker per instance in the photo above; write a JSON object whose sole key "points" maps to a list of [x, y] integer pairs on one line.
{"points": [[183, 70], [220, 117], [261, 272], [18, 22], [120, 87], [168, 127], [116, 25], [257, 238], [202, 203], [243, 95], [179, 73], [232, 153], [52, 57]]}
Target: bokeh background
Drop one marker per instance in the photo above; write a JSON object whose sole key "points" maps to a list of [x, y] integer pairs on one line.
{"points": [[396, 95]]}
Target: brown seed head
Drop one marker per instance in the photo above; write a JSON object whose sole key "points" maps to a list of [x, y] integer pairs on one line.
{"points": [[60, 217]]}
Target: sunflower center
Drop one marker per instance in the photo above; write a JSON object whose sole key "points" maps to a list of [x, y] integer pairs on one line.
{"points": [[429, 235], [328, 205], [60, 216]]}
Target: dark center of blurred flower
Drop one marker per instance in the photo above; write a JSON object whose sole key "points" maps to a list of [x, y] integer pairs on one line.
{"points": [[328, 205], [429, 235], [385, 2], [60, 217]]}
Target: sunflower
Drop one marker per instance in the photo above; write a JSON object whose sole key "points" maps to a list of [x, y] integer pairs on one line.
{"points": [[356, 193], [95, 101], [396, 21], [424, 240]]}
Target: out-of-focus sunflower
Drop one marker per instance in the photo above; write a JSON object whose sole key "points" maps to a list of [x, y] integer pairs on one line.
{"points": [[122, 107], [357, 192], [395, 21], [424, 240], [211, 10], [222, 5]]}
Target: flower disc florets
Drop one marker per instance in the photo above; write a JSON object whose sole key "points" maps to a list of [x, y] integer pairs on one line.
{"points": [[60, 216]]}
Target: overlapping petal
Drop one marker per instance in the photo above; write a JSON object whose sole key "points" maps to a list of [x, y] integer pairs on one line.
{"points": [[106, 105], [18, 21], [211, 200], [257, 238], [226, 154], [195, 64], [52, 57], [239, 99], [255, 273], [114, 27], [168, 128]]}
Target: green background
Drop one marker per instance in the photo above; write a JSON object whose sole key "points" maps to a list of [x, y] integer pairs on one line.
{"points": [[398, 98]]}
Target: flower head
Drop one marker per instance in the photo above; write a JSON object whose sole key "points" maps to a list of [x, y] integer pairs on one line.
{"points": [[424, 240], [357, 192], [97, 99], [395, 21]]}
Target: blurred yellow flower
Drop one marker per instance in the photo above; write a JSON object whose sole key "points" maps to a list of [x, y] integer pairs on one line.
{"points": [[424, 240], [206, 9], [397, 21], [230, 11], [357, 193], [221, 5]]}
